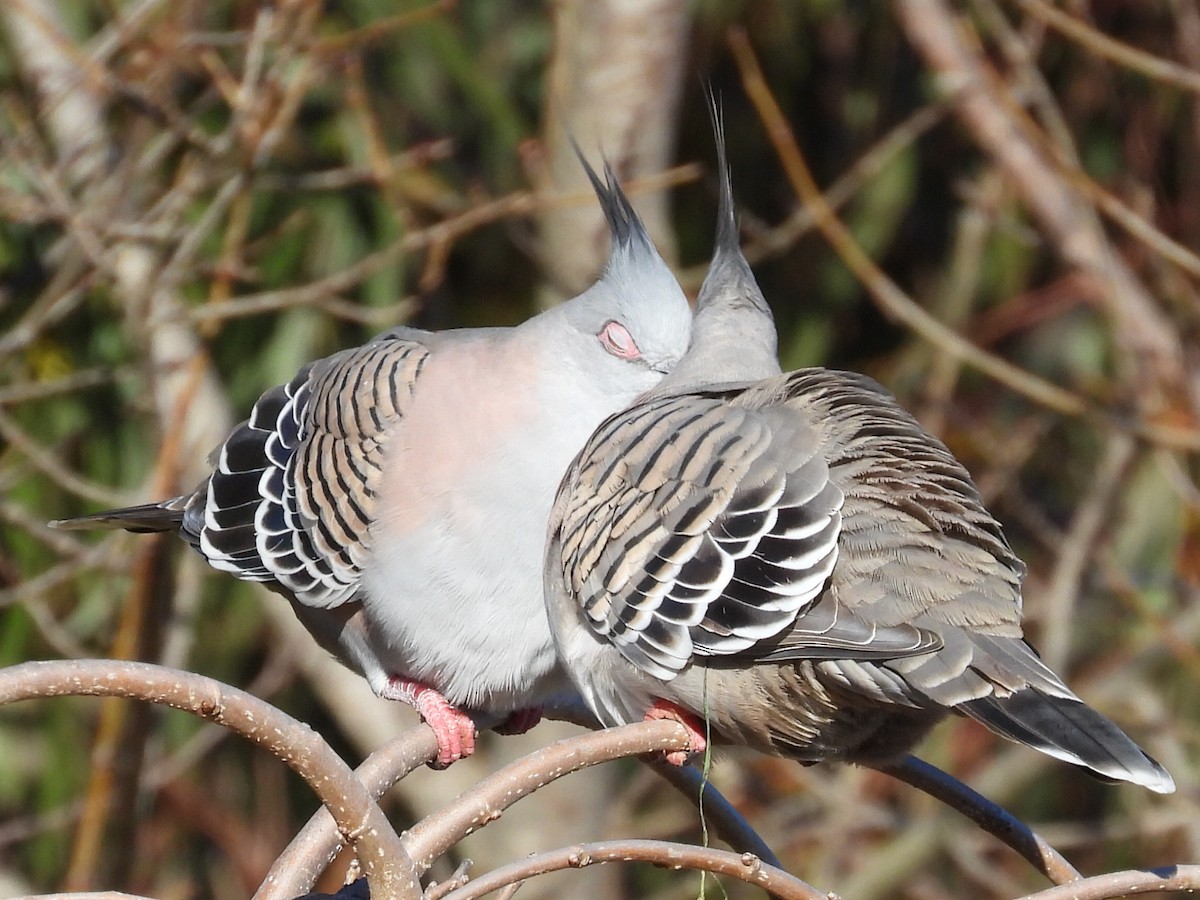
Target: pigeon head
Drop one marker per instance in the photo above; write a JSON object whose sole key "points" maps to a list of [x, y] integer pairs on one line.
{"points": [[636, 313], [733, 335]]}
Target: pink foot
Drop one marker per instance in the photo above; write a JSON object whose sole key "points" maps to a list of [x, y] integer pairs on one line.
{"points": [[663, 709], [520, 721], [454, 729]]}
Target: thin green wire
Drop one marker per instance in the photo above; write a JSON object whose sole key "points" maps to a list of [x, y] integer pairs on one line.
{"points": [[704, 770]]}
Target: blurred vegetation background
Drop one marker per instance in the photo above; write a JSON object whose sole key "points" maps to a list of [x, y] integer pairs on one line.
{"points": [[198, 197]]}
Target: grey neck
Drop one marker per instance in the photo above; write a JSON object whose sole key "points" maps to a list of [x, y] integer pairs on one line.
{"points": [[733, 333]]}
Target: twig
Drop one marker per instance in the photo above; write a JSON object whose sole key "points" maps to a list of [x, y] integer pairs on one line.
{"points": [[359, 818], [744, 866], [986, 108], [486, 801], [351, 176], [898, 305], [1092, 515], [1154, 67], [987, 815], [97, 555], [1060, 146], [844, 188], [519, 203], [1123, 884], [26, 391], [47, 463], [439, 889]]}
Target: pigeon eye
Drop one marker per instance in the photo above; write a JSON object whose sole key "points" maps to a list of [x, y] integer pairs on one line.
{"points": [[616, 339]]}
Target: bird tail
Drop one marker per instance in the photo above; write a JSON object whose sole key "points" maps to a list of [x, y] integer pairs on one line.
{"points": [[148, 517], [1070, 730], [1044, 714]]}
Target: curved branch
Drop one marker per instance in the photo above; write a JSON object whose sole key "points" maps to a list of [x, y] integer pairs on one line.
{"points": [[1122, 884], [298, 867], [487, 800], [989, 816], [310, 852], [721, 815], [743, 866], [359, 818]]}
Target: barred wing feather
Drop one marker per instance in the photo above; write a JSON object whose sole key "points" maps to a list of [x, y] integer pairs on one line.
{"points": [[291, 499], [696, 527]]}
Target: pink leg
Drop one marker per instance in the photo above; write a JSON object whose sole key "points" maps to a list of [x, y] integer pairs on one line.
{"points": [[455, 730], [520, 721], [663, 709]]}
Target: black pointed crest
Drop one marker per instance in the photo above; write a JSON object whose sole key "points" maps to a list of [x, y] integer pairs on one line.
{"points": [[623, 221]]}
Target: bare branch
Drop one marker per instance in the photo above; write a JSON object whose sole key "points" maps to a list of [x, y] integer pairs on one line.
{"points": [[311, 851], [438, 832], [744, 866], [1161, 70], [898, 305], [1124, 884], [359, 818], [986, 814], [988, 110]]}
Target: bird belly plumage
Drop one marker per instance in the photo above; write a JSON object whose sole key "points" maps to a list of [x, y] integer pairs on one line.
{"points": [[455, 609], [453, 593]]}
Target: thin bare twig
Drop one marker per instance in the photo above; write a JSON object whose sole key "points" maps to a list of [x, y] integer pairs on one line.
{"points": [[472, 810], [1124, 884], [359, 818], [898, 305], [743, 866], [986, 107], [1078, 548], [446, 232], [1164, 71]]}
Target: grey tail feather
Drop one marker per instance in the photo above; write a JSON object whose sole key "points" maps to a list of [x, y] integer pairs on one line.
{"points": [[1070, 730], [623, 221], [143, 519]]}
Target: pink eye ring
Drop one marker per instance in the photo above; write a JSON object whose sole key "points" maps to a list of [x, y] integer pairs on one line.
{"points": [[616, 339]]}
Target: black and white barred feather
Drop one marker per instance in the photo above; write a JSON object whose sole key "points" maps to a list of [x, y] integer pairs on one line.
{"points": [[291, 498]]}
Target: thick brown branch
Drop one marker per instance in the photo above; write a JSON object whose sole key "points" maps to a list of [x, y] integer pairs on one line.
{"points": [[743, 866], [486, 801], [1125, 884], [359, 818], [299, 866]]}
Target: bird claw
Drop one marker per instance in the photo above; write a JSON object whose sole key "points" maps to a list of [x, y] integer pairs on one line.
{"points": [[454, 729], [697, 742]]}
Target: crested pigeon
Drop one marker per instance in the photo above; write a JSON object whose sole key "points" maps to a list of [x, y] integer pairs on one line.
{"points": [[791, 562], [397, 493]]}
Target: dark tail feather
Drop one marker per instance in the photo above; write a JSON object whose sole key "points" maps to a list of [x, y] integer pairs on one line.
{"points": [[149, 517], [1069, 730]]}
